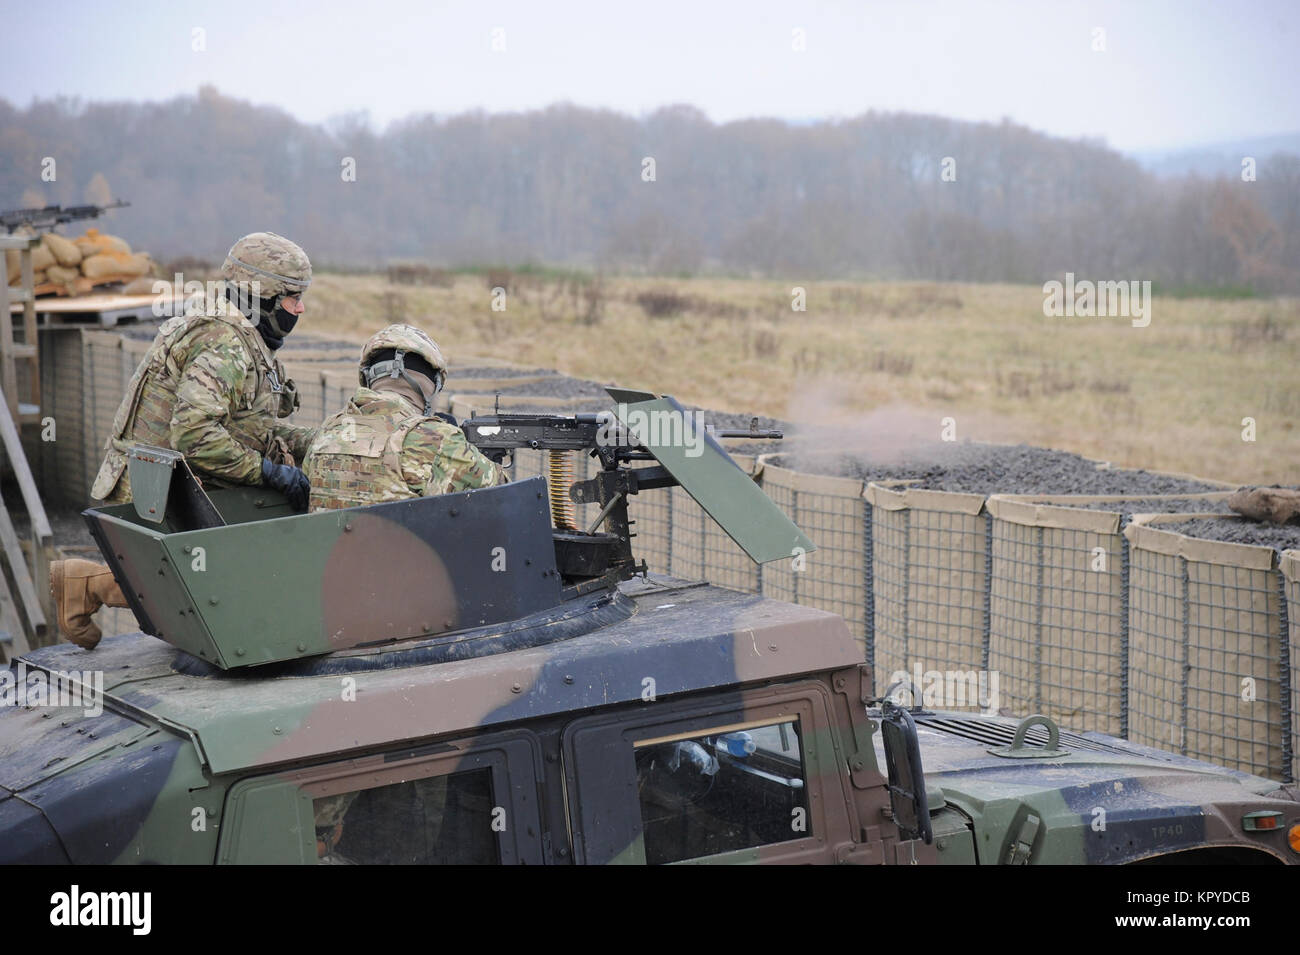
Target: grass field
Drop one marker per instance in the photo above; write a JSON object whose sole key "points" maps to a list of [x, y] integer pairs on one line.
{"points": [[885, 362]]}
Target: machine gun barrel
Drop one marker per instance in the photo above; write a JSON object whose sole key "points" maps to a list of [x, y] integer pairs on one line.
{"points": [[50, 216], [506, 432], [752, 433]]}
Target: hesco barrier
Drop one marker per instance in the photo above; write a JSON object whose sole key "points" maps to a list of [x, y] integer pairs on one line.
{"points": [[1058, 617], [1290, 562], [1206, 647], [929, 570], [836, 576]]}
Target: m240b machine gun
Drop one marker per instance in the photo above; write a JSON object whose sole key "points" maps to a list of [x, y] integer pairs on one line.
{"points": [[642, 427], [42, 220]]}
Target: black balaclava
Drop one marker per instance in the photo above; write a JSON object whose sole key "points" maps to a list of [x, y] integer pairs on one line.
{"points": [[273, 322]]}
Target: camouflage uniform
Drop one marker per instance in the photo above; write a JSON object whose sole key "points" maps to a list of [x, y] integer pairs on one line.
{"points": [[210, 389], [381, 447]]}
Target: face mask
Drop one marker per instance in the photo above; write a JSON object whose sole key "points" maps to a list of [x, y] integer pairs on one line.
{"points": [[275, 323]]}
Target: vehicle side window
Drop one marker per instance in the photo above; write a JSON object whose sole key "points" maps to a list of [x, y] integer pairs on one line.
{"points": [[762, 777], [717, 792], [440, 820], [459, 802]]}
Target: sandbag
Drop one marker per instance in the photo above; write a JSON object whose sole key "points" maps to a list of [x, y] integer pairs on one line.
{"points": [[95, 242], [1275, 505], [141, 286], [62, 274], [65, 251], [114, 263], [42, 258], [38, 278]]}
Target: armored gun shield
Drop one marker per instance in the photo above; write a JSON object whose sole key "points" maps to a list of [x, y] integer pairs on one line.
{"points": [[261, 584]]}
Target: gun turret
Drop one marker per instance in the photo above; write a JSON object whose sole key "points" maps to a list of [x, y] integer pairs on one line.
{"points": [[47, 218]]}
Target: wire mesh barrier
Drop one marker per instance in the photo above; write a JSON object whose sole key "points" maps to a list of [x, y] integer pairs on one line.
{"points": [[929, 574], [1289, 668], [1056, 633], [1205, 647], [1058, 620], [831, 511], [62, 463]]}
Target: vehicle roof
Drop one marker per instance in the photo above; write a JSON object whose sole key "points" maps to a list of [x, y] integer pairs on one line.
{"points": [[684, 636]]}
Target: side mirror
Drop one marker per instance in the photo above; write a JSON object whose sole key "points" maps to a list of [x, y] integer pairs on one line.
{"points": [[906, 777]]}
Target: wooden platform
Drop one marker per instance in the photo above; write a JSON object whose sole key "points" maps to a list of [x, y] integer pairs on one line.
{"points": [[105, 309], [98, 302]]}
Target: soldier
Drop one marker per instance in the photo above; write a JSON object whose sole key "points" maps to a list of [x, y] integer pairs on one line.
{"points": [[211, 388], [388, 444]]}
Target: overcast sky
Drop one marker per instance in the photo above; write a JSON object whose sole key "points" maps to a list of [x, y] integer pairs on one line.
{"points": [[1172, 72]]}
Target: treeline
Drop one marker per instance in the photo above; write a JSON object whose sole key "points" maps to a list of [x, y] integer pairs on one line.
{"points": [[868, 197]]}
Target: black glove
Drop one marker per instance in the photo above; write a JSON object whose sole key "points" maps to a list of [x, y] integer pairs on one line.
{"points": [[289, 481], [447, 418]]}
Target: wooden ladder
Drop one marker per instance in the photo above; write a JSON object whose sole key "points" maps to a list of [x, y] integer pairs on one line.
{"points": [[27, 612], [26, 608], [24, 400]]}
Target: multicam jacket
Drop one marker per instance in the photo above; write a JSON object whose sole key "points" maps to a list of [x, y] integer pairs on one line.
{"points": [[382, 448], [209, 388]]}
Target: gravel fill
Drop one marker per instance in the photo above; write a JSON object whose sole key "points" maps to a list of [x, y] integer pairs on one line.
{"points": [[975, 468], [1279, 536], [1158, 505], [579, 406], [483, 372], [557, 387]]}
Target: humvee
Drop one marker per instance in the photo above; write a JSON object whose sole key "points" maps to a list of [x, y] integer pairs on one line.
{"points": [[466, 679]]}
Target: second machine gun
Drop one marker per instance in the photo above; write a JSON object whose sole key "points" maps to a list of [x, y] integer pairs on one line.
{"points": [[588, 558], [46, 218]]}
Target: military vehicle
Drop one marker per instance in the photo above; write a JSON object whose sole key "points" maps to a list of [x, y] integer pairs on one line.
{"points": [[472, 679]]}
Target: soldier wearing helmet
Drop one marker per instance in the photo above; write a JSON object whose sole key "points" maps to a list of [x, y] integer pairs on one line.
{"points": [[388, 444], [210, 387]]}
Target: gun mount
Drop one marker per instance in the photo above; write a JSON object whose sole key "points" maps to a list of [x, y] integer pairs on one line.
{"points": [[677, 449]]}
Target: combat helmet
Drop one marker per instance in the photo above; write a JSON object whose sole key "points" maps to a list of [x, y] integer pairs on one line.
{"points": [[397, 349], [279, 266]]}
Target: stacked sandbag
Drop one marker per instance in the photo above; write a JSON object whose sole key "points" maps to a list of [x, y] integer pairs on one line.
{"points": [[105, 264], [65, 251], [70, 262], [93, 242]]}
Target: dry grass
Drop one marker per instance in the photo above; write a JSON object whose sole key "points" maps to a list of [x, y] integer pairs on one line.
{"points": [[1170, 396]]}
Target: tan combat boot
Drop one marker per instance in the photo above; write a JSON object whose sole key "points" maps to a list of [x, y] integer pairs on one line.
{"points": [[80, 587]]}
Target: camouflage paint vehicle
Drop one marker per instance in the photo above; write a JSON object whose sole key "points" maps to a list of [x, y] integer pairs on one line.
{"points": [[457, 680]]}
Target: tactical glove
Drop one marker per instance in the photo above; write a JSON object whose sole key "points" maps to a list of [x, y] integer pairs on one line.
{"points": [[447, 418], [289, 481]]}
